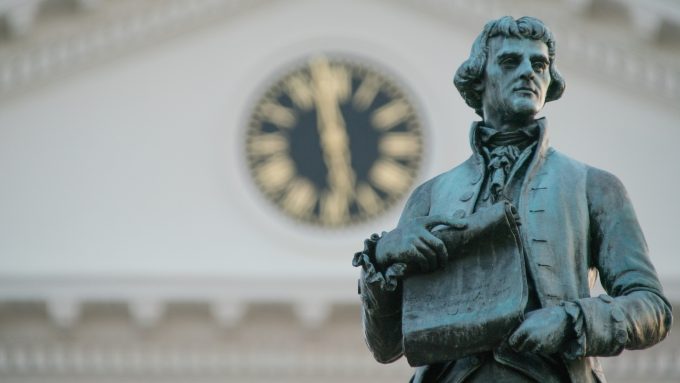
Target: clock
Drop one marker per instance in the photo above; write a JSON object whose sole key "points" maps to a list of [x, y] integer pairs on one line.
{"points": [[334, 142]]}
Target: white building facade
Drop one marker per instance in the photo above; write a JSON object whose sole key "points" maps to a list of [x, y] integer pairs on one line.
{"points": [[135, 244]]}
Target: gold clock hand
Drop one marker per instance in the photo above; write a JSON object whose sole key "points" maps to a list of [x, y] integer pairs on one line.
{"points": [[334, 140]]}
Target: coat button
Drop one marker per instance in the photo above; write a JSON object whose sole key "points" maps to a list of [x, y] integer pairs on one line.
{"points": [[476, 178], [617, 315], [621, 336], [606, 298], [466, 196], [474, 360]]}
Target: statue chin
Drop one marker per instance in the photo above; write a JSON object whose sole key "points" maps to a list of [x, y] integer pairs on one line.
{"points": [[524, 109]]}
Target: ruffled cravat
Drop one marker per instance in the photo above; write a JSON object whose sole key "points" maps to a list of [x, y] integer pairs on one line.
{"points": [[503, 149], [502, 159]]}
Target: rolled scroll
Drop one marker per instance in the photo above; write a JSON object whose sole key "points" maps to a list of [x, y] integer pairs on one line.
{"points": [[474, 302]]}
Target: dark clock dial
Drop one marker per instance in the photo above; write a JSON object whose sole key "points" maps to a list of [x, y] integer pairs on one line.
{"points": [[334, 142]]}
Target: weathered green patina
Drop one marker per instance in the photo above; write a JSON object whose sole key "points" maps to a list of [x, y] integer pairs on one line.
{"points": [[573, 222]]}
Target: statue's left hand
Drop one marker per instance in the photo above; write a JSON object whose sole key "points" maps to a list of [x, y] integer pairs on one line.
{"points": [[544, 330]]}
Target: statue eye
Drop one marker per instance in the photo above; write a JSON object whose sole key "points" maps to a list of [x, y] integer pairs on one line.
{"points": [[508, 62], [539, 66]]}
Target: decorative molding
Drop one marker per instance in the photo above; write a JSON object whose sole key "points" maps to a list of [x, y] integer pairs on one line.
{"points": [[19, 15], [93, 348], [37, 61], [650, 15], [630, 64], [145, 312], [312, 313], [177, 288], [580, 6], [228, 314], [228, 298], [64, 359], [33, 62], [64, 313], [647, 23], [89, 4]]}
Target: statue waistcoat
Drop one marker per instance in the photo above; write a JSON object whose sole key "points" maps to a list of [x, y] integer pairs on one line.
{"points": [[553, 210]]}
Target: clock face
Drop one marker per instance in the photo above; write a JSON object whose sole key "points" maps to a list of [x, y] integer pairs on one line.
{"points": [[334, 142]]}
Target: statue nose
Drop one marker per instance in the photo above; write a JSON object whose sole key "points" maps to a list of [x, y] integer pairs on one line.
{"points": [[526, 70]]}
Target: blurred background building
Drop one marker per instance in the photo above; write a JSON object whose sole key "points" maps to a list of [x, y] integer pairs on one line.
{"points": [[137, 242]]}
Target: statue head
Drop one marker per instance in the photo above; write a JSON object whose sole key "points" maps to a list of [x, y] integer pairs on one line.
{"points": [[505, 75]]}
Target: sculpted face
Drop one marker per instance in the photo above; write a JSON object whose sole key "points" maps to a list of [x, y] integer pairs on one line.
{"points": [[517, 79]]}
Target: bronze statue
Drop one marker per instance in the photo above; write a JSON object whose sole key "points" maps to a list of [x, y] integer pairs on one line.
{"points": [[520, 215]]}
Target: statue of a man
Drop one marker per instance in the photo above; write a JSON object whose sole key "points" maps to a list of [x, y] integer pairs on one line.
{"points": [[576, 221]]}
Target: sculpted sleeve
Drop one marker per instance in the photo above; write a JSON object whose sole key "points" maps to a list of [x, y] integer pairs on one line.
{"points": [[381, 309], [635, 314]]}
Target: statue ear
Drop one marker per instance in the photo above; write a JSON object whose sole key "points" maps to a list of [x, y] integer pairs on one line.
{"points": [[478, 86]]}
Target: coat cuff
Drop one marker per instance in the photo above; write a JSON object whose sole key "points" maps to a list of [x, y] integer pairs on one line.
{"points": [[605, 327], [386, 279], [379, 289], [576, 346]]}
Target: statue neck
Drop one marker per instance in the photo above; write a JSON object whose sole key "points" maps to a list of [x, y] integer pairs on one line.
{"points": [[507, 123], [508, 127]]}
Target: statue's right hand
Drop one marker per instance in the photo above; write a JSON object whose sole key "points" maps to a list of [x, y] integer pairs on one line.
{"points": [[414, 244]]}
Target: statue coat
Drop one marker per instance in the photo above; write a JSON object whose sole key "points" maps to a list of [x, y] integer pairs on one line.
{"points": [[577, 222]]}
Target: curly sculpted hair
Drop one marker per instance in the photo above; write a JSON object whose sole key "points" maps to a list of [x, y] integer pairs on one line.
{"points": [[470, 75]]}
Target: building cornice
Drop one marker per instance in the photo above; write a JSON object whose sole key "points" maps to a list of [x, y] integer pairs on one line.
{"points": [[229, 298], [595, 37], [627, 50], [59, 359], [108, 30]]}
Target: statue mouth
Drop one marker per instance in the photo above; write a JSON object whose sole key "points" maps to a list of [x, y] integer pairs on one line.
{"points": [[525, 90]]}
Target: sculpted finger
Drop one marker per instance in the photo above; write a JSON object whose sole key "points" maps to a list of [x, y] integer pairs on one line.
{"points": [[428, 253], [457, 223], [517, 339], [530, 338], [531, 344], [416, 258], [438, 246], [548, 347], [435, 220], [524, 345]]}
